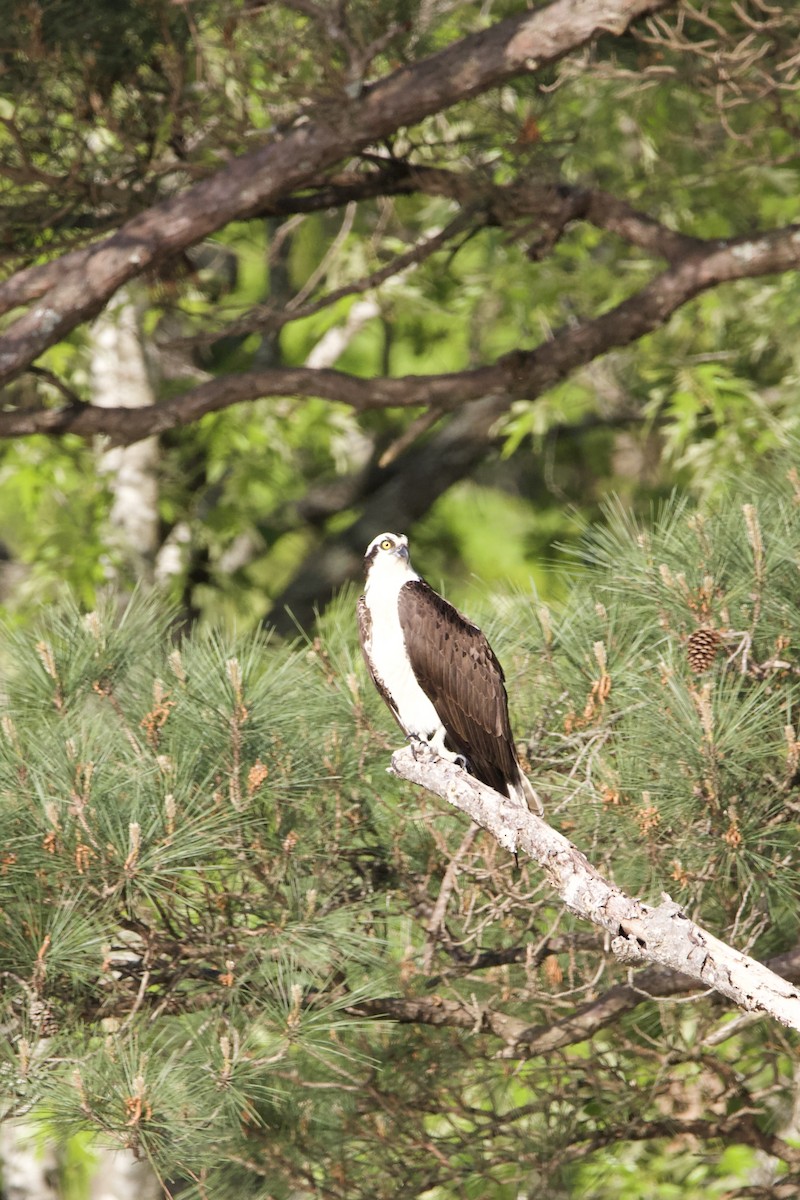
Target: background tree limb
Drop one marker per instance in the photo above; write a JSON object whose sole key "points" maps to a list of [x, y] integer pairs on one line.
{"points": [[244, 187], [521, 374]]}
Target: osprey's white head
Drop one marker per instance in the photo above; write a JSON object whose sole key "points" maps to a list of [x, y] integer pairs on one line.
{"points": [[387, 564]]}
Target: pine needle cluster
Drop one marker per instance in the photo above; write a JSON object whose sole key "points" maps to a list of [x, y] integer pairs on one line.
{"points": [[674, 677], [212, 893], [180, 935]]}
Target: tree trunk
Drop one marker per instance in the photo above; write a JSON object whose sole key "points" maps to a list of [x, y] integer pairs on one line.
{"points": [[119, 375], [28, 1164]]}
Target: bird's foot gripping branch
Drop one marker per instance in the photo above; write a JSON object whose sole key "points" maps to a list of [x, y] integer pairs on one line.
{"points": [[661, 934]]}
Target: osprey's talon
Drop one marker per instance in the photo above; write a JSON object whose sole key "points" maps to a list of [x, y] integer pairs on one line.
{"points": [[422, 750]]}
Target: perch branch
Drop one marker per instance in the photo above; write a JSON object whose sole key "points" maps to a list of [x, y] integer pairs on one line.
{"points": [[639, 932]]}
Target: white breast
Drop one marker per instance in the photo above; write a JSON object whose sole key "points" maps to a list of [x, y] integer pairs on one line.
{"points": [[387, 653]]}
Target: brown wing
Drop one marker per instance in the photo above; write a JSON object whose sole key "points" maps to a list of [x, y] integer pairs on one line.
{"points": [[457, 668], [365, 637]]}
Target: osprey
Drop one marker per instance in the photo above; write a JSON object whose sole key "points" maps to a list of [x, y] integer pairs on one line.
{"points": [[436, 671]]}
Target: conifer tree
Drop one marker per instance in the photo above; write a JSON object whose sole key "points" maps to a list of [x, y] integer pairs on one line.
{"points": [[233, 943]]}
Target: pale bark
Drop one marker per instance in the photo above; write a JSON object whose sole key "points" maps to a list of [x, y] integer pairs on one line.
{"points": [[120, 1176], [640, 932], [28, 1164], [119, 372]]}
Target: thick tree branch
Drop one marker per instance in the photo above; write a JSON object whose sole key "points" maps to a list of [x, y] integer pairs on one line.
{"points": [[663, 935], [527, 200], [30, 283], [520, 208], [519, 44], [521, 374], [529, 205]]}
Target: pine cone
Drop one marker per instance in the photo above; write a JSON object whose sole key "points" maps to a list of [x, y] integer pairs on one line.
{"points": [[701, 649], [42, 1017]]}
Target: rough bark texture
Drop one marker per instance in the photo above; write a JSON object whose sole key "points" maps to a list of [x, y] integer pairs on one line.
{"points": [[247, 186], [662, 935], [521, 374]]}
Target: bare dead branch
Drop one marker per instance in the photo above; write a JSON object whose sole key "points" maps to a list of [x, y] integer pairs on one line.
{"points": [[436, 919], [663, 935], [528, 1041]]}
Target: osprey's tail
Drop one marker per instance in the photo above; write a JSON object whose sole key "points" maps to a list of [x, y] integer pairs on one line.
{"points": [[522, 791]]}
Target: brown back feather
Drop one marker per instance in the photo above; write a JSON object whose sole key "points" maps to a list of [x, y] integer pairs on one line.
{"points": [[457, 668]]}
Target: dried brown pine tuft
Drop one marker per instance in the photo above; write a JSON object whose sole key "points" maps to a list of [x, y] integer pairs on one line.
{"points": [[701, 649]]}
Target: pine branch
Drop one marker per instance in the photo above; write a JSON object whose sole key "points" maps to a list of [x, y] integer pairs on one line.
{"points": [[529, 1041], [639, 932]]}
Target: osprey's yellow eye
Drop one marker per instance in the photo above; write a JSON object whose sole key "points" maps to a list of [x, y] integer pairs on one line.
{"points": [[386, 544]]}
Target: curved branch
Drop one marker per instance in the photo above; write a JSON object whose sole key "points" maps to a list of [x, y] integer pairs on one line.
{"points": [[517, 207], [523, 374], [520, 44], [502, 204], [528, 1041], [663, 935], [738, 1127]]}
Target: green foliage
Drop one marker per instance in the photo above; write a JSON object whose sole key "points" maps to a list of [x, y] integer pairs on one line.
{"points": [[206, 873], [161, 96], [58, 544], [700, 765], [168, 916]]}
